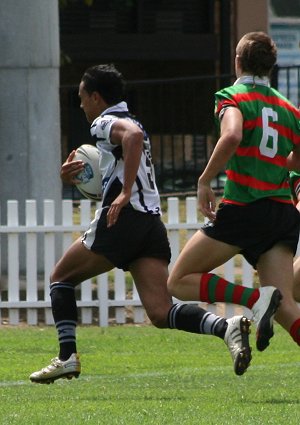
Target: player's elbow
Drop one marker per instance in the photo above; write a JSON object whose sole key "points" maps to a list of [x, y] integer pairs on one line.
{"points": [[137, 136]]}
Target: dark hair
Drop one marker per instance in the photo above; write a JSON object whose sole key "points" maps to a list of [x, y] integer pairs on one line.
{"points": [[107, 81], [257, 53]]}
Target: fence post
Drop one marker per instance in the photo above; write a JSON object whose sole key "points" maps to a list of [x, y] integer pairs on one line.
{"points": [[13, 261], [102, 286], [31, 261], [173, 219], [229, 275], [191, 214], [49, 255], [67, 220], [86, 286], [247, 273], [120, 294], [139, 312]]}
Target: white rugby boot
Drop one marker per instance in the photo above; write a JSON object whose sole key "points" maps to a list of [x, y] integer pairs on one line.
{"points": [[58, 369], [263, 315], [237, 340]]}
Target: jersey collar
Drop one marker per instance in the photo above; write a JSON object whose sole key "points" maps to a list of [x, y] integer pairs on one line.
{"points": [[252, 79], [119, 107]]}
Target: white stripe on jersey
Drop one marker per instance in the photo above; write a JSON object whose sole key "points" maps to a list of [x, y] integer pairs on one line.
{"points": [[297, 188]]}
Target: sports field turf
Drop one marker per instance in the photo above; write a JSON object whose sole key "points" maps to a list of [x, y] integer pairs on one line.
{"points": [[135, 375]]}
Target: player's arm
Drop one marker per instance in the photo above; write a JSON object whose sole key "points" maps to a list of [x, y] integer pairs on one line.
{"points": [[296, 192], [298, 202], [130, 136], [293, 160], [230, 138], [293, 163]]}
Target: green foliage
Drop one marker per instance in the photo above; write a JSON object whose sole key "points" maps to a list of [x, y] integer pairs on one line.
{"points": [[139, 375]]}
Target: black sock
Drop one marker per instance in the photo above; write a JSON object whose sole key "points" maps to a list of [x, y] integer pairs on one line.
{"points": [[64, 310], [192, 318]]}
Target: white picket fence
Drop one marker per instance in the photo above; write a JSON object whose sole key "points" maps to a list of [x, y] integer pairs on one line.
{"points": [[30, 250]]}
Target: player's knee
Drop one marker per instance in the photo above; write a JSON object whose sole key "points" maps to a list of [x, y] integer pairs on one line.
{"points": [[52, 278], [172, 285], [296, 293], [55, 276], [158, 319]]}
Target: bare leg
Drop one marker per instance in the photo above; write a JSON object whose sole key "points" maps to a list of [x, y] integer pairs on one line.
{"points": [[200, 255], [275, 267], [78, 264], [150, 277]]}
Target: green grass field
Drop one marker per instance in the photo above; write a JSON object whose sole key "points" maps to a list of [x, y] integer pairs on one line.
{"points": [[136, 375]]}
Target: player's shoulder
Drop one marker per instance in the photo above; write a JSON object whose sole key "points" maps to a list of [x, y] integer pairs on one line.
{"points": [[235, 88], [102, 123]]}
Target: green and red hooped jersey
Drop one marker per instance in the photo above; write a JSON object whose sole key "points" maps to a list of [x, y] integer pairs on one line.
{"points": [[271, 130]]}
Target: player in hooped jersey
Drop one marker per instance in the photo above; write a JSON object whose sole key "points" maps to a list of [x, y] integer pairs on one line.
{"points": [[127, 232], [259, 143], [295, 188]]}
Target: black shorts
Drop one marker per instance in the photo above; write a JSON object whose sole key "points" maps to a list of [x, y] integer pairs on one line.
{"points": [[135, 235], [256, 227]]}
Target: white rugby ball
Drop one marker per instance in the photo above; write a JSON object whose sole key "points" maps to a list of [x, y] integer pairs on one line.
{"points": [[90, 178]]}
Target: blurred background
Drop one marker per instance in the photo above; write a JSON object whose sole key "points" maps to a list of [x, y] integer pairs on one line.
{"points": [[174, 55]]}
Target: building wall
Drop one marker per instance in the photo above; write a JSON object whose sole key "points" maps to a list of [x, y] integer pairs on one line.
{"points": [[251, 15]]}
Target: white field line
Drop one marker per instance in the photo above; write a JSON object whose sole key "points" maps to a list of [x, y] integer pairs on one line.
{"points": [[84, 377]]}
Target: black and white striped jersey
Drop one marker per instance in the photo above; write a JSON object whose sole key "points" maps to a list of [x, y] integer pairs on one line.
{"points": [[144, 196]]}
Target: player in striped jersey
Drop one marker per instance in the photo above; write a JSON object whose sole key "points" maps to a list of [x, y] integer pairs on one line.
{"points": [[259, 143], [127, 233], [295, 188]]}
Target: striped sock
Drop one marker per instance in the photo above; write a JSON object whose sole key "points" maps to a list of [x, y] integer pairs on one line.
{"points": [[192, 318], [66, 330], [216, 289], [295, 331], [64, 310]]}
